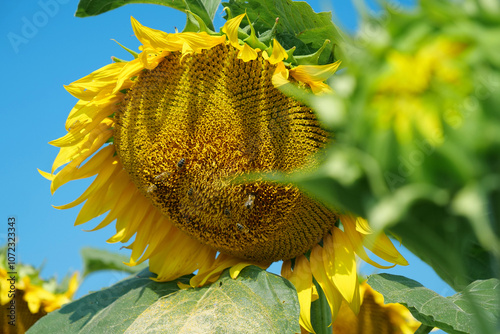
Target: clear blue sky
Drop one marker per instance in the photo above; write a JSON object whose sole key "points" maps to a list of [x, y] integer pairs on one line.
{"points": [[43, 48]]}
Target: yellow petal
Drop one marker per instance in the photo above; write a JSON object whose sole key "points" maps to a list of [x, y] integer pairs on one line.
{"points": [[278, 53], [46, 175], [235, 270], [230, 28], [77, 134], [87, 146], [183, 253], [72, 286], [384, 248], [314, 75], [183, 286], [212, 273], [361, 225], [340, 264], [124, 77], [333, 296], [301, 278], [158, 233], [96, 185], [247, 53], [201, 40], [356, 240], [87, 87], [280, 76], [156, 38], [117, 199]]}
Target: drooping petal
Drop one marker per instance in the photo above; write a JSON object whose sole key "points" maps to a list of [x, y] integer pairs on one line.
{"points": [[333, 296], [230, 28], [156, 38], [315, 75], [88, 87], [201, 41], [278, 53], [301, 278], [127, 73], [357, 239], [383, 247], [247, 53], [340, 266]]}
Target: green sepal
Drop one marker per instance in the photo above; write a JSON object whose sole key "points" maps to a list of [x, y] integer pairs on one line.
{"points": [[117, 60], [313, 58], [267, 36], [229, 15], [133, 53], [252, 40], [196, 21]]}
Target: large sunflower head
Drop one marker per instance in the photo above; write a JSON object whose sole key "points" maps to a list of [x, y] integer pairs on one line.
{"points": [[168, 134]]}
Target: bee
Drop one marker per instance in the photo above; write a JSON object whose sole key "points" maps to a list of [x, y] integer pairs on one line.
{"points": [[241, 227], [161, 177], [190, 191], [181, 163], [227, 212], [151, 188], [249, 202]]}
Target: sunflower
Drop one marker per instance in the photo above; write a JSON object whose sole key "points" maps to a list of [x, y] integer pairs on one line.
{"points": [[375, 316], [168, 133], [407, 97], [25, 297]]}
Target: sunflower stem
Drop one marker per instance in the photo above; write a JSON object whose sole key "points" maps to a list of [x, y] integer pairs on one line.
{"points": [[321, 316], [423, 329]]}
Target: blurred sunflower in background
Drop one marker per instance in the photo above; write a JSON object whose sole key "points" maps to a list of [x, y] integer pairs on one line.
{"points": [[374, 316], [169, 134], [25, 297]]}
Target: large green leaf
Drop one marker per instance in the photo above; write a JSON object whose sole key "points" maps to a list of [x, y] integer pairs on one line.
{"points": [[205, 9], [298, 24], [99, 259], [474, 310], [255, 302]]}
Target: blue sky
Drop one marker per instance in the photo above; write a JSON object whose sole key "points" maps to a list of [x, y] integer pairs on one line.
{"points": [[43, 48]]}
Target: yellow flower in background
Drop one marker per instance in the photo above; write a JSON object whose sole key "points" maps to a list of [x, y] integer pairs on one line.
{"points": [[168, 132], [419, 90], [34, 297], [375, 317]]}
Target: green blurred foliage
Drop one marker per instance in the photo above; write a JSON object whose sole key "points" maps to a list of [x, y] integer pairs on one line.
{"points": [[417, 128]]}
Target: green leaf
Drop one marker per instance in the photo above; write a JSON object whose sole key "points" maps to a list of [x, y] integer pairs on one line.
{"points": [[98, 259], [255, 302], [474, 310], [298, 24], [205, 9]]}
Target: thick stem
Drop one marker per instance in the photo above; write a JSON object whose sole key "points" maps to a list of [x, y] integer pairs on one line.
{"points": [[423, 329]]}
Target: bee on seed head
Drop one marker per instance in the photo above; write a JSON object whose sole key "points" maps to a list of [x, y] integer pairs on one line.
{"points": [[249, 202], [161, 177], [241, 227], [181, 163], [151, 188]]}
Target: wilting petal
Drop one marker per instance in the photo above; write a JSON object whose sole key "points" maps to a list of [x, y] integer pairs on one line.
{"points": [[301, 278], [230, 28]]}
